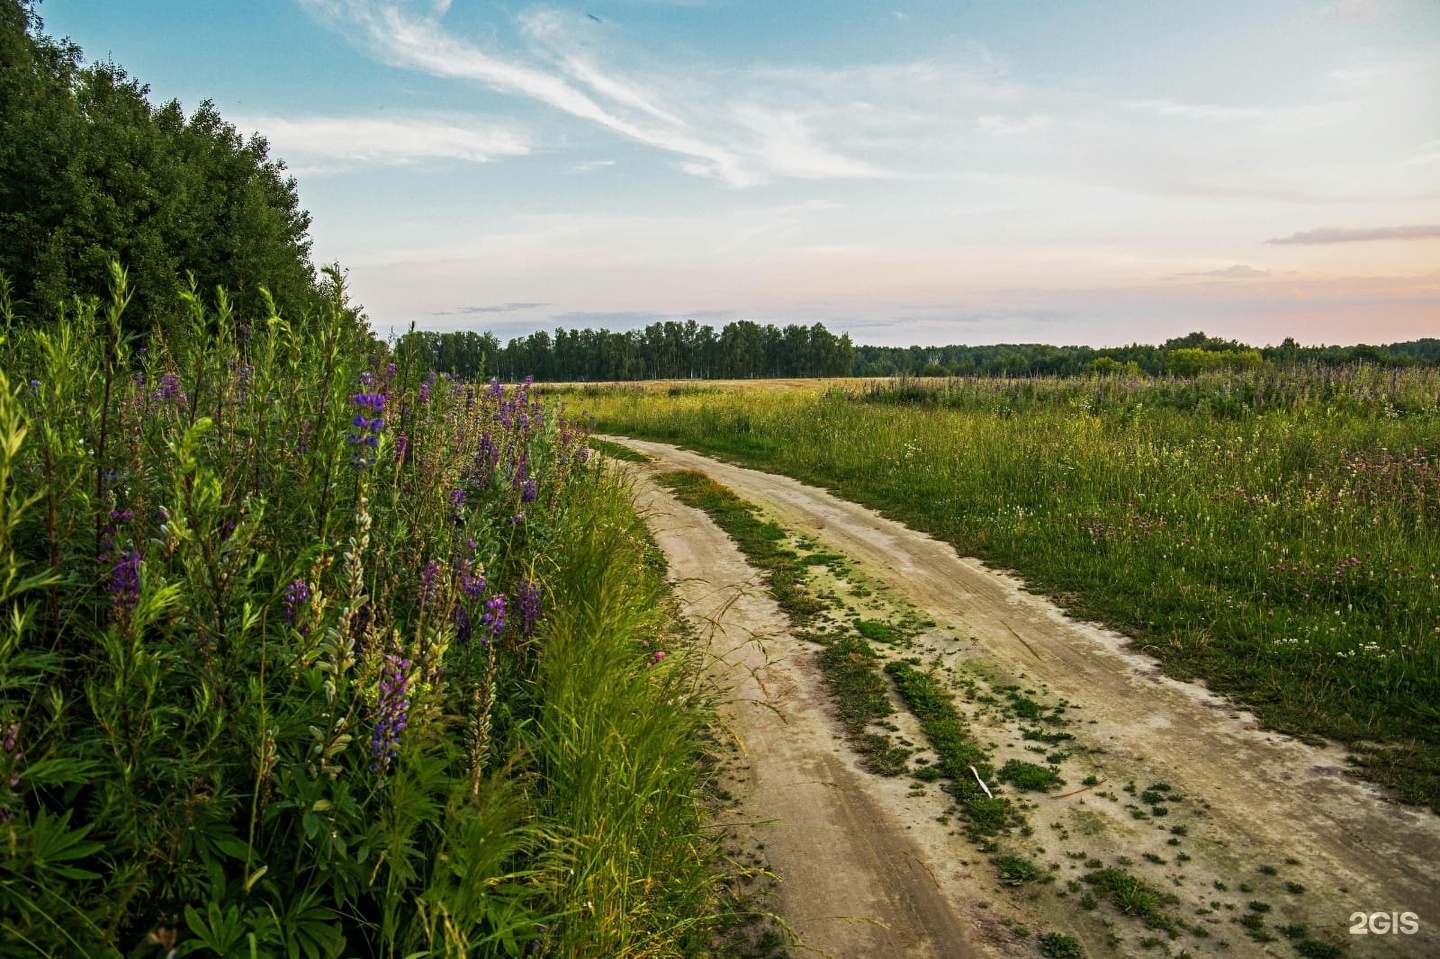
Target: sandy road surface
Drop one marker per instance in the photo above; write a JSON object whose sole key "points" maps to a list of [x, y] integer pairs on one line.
{"points": [[853, 883], [1268, 798]]}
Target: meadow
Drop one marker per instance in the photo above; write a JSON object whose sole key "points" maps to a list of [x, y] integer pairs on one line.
{"points": [[1274, 532], [305, 653]]}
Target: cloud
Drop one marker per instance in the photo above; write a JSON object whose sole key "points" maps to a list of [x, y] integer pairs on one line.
{"points": [[741, 139], [1200, 111], [1002, 126], [1237, 272], [333, 144], [1423, 231], [498, 308], [592, 165], [1354, 10]]}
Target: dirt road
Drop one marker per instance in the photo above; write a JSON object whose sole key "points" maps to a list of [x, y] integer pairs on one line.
{"points": [[1278, 835]]}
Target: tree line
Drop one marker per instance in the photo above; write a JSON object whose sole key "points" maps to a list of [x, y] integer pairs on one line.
{"points": [[745, 350], [92, 173], [669, 350]]}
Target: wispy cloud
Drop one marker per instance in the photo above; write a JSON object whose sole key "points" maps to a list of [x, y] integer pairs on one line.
{"points": [[1237, 272], [497, 308], [1003, 126], [1422, 231], [332, 144], [742, 138]]}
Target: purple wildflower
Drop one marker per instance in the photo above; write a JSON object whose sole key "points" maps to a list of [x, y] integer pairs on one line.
{"points": [[529, 490], [429, 582], [424, 392], [11, 752], [493, 619], [457, 498], [296, 595], [472, 587], [392, 708], [529, 601], [402, 446], [369, 423], [170, 389], [125, 583]]}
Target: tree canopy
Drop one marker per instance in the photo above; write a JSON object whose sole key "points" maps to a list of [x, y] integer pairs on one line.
{"points": [[91, 172]]}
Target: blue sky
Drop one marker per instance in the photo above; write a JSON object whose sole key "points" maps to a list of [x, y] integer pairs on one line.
{"points": [[912, 172]]}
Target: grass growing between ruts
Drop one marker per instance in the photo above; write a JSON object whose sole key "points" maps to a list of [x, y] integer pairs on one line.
{"points": [[1275, 532], [849, 665]]}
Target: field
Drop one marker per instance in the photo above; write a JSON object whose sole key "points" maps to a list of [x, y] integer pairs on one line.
{"points": [[1275, 533]]}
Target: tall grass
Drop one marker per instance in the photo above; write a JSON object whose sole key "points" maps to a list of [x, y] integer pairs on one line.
{"points": [[1276, 532], [303, 654]]}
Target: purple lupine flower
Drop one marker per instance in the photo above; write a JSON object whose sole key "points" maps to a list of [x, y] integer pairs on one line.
{"points": [[170, 389], [429, 582], [472, 587], [125, 583], [486, 456], [296, 595], [529, 490], [457, 497], [369, 422], [529, 601], [392, 709], [495, 389], [10, 751], [493, 619], [461, 618], [424, 392]]}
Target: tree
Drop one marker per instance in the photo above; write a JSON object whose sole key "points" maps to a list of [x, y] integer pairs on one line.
{"points": [[91, 172]]}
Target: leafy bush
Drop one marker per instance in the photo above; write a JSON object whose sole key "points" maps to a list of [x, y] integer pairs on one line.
{"points": [[303, 654]]}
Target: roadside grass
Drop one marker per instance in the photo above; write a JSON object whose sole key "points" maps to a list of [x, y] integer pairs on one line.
{"points": [[1275, 532]]}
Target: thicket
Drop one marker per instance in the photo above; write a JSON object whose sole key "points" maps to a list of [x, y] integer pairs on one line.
{"points": [[307, 653], [92, 173]]}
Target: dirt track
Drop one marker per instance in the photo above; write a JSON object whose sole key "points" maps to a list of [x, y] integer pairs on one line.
{"points": [[866, 869]]}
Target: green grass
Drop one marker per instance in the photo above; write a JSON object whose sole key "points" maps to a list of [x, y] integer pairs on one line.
{"points": [[956, 751], [617, 451], [1275, 532], [1132, 896], [1030, 776]]}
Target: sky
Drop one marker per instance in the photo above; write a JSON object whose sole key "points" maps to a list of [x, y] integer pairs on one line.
{"points": [[910, 171]]}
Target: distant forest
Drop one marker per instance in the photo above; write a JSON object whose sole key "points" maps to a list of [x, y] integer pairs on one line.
{"points": [[746, 350]]}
